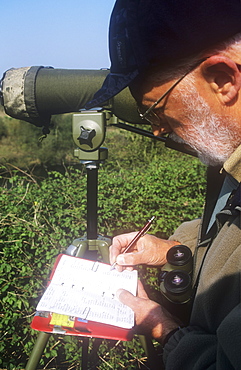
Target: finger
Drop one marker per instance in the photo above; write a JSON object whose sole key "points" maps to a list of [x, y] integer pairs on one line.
{"points": [[141, 293], [127, 298], [130, 259], [122, 268], [119, 244]]}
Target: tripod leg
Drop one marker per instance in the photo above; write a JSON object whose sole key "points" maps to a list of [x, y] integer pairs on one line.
{"points": [[152, 356], [85, 348], [37, 351]]}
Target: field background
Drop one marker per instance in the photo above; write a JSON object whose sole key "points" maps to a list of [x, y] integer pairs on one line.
{"points": [[43, 209]]}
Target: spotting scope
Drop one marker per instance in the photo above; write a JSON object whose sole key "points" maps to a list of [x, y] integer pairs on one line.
{"points": [[33, 94]]}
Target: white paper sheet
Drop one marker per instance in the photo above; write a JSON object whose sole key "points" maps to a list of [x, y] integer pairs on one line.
{"points": [[87, 289]]}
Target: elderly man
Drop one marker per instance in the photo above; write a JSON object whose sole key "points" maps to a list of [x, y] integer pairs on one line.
{"points": [[182, 62]]}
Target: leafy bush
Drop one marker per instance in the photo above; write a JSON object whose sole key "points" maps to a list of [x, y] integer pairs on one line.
{"points": [[39, 220], [20, 144]]}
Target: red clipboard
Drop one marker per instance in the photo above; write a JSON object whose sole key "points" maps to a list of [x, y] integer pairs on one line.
{"points": [[66, 325]]}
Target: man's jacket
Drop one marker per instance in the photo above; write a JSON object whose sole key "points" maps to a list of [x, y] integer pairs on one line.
{"points": [[212, 340]]}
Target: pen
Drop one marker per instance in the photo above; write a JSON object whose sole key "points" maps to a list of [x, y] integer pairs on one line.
{"points": [[144, 230]]}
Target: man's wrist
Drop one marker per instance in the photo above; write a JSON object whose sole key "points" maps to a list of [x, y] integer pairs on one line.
{"points": [[169, 335]]}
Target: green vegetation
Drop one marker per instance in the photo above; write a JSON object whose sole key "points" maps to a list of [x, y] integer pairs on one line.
{"points": [[20, 143], [39, 217]]}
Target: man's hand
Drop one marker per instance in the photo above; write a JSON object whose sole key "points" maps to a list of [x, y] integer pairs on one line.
{"points": [[148, 250], [150, 318]]}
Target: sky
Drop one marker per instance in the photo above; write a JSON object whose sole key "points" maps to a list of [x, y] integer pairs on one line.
{"points": [[69, 34]]}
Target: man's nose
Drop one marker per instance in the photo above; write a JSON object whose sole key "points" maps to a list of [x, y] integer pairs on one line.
{"points": [[161, 129]]}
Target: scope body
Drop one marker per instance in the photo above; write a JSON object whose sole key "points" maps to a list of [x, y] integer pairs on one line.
{"points": [[35, 93]]}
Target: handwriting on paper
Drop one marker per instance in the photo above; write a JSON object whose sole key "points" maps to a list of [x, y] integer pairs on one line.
{"points": [[87, 289]]}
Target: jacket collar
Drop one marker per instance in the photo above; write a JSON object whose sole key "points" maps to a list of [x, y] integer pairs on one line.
{"points": [[233, 164]]}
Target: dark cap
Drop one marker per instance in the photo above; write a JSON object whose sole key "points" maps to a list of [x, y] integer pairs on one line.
{"points": [[144, 34]]}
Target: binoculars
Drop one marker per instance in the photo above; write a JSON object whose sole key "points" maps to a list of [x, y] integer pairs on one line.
{"points": [[175, 280]]}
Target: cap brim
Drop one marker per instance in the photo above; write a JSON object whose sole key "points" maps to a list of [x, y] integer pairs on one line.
{"points": [[113, 84]]}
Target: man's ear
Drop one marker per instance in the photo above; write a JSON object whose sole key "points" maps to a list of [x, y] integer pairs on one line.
{"points": [[223, 76]]}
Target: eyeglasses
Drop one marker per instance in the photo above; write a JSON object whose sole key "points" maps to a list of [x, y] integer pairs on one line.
{"points": [[151, 116]]}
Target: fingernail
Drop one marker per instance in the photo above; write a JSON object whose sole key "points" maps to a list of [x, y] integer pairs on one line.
{"points": [[118, 293]]}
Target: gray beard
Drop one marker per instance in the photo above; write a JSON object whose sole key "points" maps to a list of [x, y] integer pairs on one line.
{"points": [[213, 137]]}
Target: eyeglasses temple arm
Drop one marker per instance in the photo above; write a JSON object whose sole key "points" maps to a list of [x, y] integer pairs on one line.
{"points": [[169, 143]]}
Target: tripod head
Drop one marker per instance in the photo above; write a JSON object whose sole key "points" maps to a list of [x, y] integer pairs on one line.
{"points": [[89, 129]]}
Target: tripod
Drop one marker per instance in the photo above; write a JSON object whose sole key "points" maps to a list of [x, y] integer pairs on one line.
{"points": [[84, 135], [92, 243]]}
